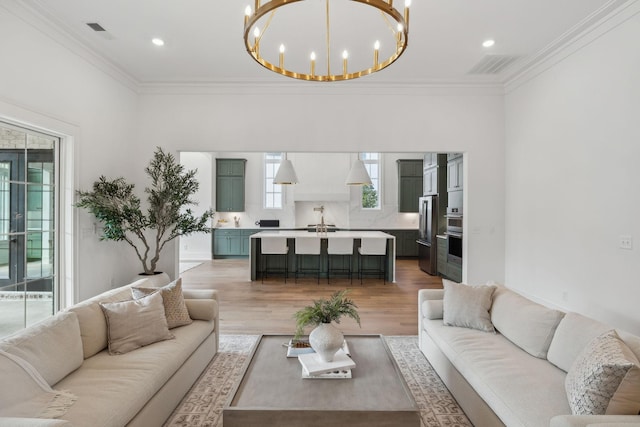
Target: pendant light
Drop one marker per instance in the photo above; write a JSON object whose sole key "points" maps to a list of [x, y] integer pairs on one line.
{"points": [[358, 174], [286, 175]]}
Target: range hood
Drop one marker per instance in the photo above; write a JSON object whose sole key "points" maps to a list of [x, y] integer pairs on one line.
{"points": [[321, 177]]}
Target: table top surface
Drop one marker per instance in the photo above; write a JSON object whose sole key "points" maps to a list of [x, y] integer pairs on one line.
{"points": [[303, 233], [275, 381]]}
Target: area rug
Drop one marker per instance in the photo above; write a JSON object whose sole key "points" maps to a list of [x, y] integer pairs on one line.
{"points": [[202, 406]]}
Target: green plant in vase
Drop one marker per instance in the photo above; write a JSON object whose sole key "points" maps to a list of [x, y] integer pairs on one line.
{"points": [[326, 339]]}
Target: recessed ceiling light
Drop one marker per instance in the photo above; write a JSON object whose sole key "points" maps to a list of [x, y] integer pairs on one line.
{"points": [[488, 43], [157, 42]]}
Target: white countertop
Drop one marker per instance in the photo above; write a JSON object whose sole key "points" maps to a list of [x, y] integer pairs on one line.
{"points": [[292, 234]]}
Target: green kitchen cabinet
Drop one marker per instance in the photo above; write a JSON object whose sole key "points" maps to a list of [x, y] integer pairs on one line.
{"points": [[410, 181], [230, 177], [231, 243], [455, 174]]}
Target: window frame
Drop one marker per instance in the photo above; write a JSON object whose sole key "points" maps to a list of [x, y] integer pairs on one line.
{"points": [[376, 180], [272, 158]]}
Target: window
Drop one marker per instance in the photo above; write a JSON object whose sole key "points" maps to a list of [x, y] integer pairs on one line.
{"points": [[272, 192], [371, 194], [28, 227]]}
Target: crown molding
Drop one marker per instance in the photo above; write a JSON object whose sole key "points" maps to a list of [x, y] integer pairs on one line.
{"points": [[609, 16], [37, 17]]}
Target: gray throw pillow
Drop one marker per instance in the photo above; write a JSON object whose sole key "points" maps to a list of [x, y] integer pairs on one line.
{"points": [[467, 306]]}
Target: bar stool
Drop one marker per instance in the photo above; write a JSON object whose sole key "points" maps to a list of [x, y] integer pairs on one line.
{"points": [[270, 246], [340, 246], [373, 247], [307, 246]]}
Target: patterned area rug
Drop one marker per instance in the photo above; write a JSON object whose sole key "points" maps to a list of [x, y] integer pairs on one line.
{"points": [[202, 406]]}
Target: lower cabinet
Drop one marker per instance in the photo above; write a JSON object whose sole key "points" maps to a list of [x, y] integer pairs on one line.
{"points": [[406, 245], [231, 243], [447, 269]]}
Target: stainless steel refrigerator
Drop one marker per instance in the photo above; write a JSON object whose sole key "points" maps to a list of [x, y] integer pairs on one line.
{"points": [[428, 220]]}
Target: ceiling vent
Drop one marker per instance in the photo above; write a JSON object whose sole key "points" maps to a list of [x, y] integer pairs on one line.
{"points": [[493, 64], [95, 26], [100, 30]]}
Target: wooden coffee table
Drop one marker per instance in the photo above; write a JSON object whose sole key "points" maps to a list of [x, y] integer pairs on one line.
{"points": [[273, 393]]}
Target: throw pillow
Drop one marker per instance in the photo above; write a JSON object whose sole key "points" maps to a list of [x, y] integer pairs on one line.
{"points": [[136, 323], [604, 379], [174, 307], [467, 306]]}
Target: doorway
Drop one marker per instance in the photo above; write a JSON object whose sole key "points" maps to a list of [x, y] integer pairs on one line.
{"points": [[28, 238]]}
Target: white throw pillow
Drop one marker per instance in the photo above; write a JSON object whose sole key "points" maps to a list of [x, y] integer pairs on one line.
{"points": [[467, 306], [134, 324], [604, 379]]}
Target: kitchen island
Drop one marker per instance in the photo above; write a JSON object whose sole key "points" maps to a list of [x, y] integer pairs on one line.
{"points": [[255, 258]]}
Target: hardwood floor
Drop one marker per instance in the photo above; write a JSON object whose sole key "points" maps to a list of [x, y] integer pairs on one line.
{"points": [[254, 308]]}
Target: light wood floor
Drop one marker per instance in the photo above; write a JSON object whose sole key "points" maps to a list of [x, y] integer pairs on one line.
{"points": [[255, 308]]}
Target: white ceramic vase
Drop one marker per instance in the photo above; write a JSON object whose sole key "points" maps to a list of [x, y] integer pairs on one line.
{"points": [[156, 280], [326, 339]]}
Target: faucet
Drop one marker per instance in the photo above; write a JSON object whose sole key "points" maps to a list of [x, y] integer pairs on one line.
{"points": [[322, 227]]}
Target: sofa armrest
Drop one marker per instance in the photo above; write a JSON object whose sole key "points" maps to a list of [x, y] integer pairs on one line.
{"points": [[202, 309], [430, 294], [595, 420], [33, 422], [200, 294]]}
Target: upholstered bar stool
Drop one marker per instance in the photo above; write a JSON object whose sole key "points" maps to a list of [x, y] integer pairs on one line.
{"points": [[340, 246], [271, 247], [373, 247], [305, 246]]}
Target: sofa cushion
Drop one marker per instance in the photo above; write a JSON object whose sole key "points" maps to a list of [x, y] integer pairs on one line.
{"points": [[467, 306], [53, 346], [572, 335], [175, 309], [604, 379], [134, 324], [93, 325], [433, 309], [140, 374], [522, 390], [525, 323]]}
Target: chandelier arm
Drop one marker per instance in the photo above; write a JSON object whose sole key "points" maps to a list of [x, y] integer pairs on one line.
{"points": [[328, 40]]}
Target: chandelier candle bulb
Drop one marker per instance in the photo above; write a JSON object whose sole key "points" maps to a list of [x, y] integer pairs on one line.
{"points": [[376, 51], [282, 56], [313, 63], [399, 33], [407, 3], [247, 14], [345, 57], [256, 38]]}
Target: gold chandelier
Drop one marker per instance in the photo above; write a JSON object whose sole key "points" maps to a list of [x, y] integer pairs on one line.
{"points": [[272, 57]]}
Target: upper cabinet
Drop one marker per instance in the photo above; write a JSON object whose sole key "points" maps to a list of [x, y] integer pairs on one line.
{"points": [[230, 175], [454, 173], [410, 178]]}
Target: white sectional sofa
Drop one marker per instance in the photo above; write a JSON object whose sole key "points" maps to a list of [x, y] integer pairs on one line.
{"points": [[515, 376], [69, 353]]}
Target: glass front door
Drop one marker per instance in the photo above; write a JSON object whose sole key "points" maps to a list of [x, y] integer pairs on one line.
{"points": [[27, 227]]}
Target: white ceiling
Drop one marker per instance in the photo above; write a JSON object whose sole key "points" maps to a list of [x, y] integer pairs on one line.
{"points": [[204, 37]]}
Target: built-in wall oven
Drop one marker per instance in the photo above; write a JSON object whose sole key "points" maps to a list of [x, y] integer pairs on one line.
{"points": [[454, 235]]}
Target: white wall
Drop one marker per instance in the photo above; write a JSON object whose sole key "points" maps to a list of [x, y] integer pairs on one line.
{"points": [[45, 85], [339, 118], [572, 177], [197, 246]]}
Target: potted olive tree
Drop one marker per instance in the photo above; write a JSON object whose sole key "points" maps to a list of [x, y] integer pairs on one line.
{"points": [[326, 339], [166, 216]]}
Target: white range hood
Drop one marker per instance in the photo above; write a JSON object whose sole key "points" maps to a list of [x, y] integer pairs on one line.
{"points": [[321, 177]]}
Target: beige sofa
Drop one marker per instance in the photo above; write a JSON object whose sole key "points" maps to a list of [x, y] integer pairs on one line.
{"points": [[516, 376], [139, 388]]}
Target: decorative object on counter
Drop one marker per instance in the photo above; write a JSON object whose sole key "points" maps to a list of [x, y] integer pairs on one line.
{"points": [[286, 175], [236, 221], [392, 28], [326, 339], [167, 216]]}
